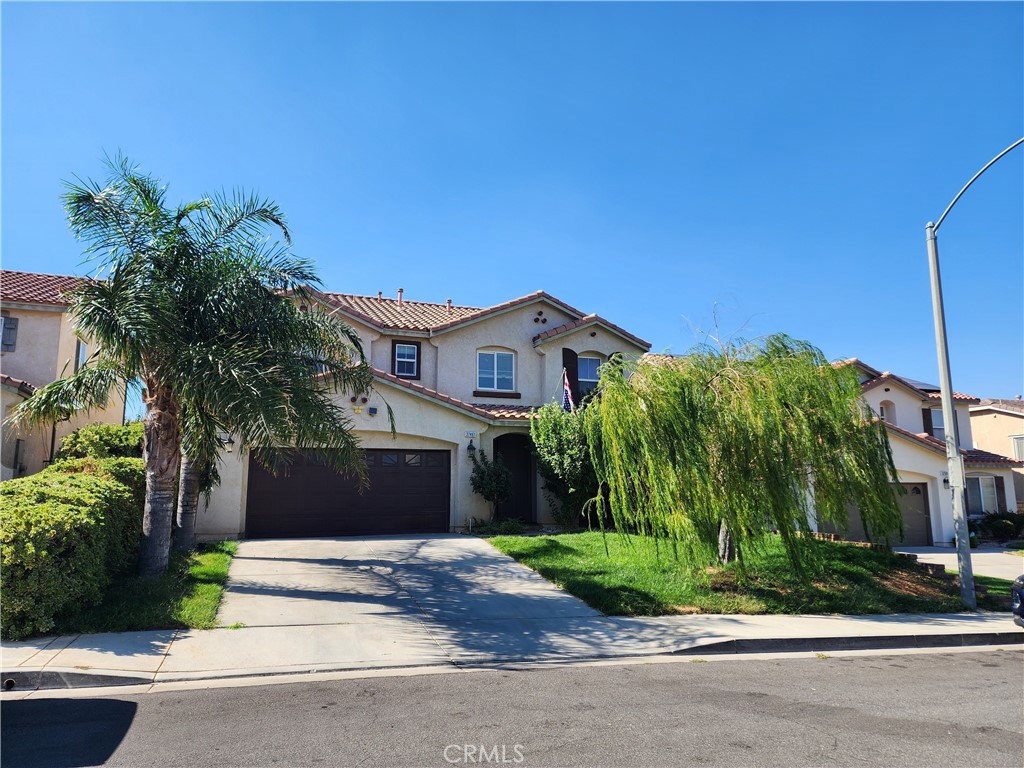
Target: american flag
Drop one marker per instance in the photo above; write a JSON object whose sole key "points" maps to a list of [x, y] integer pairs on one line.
{"points": [[567, 403]]}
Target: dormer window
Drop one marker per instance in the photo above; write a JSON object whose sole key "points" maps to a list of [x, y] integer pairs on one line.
{"points": [[495, 371], [887, 411], [405, 359]]}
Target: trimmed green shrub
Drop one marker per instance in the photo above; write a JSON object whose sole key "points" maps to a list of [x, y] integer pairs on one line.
{"points": [[1015, 520], [102, 441], [1001, 530], [65, 533]]}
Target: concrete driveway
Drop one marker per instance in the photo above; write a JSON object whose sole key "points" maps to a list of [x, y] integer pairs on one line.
{"points": [[985, 561], [397, 599]]}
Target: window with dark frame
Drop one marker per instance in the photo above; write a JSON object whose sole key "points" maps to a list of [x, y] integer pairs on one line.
{"points": [[587, 373], [405, 359], [10, 333], [81, 354]]}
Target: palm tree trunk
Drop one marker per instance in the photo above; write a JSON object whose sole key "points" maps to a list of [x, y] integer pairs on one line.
{"points": [[160, 454], [188, 505]]}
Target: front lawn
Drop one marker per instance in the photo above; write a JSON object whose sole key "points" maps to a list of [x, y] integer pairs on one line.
{"points": [[187, 596], [634, 581]]}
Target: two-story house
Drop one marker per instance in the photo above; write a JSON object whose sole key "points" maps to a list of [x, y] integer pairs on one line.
{"points": [[912, 412], [459, 379], [998, 426], [39, 345]]}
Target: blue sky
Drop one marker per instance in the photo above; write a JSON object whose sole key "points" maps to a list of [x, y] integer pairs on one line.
{"points": [[658, 163]]}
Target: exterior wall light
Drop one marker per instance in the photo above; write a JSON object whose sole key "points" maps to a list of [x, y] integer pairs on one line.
{"points": [[471, 450]]}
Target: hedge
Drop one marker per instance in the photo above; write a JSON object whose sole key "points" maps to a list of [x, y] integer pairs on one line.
{"points": [[66, 533], [102, 441]]}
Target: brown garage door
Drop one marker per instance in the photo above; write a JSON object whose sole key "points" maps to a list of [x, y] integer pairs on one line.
{"points": [[408, 493], [917, 525]]}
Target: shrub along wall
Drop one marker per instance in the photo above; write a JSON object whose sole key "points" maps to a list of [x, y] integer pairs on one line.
{"points": [[66, 533]]}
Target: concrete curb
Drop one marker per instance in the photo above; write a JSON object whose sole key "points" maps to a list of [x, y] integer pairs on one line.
{"points": [[878, 643], [21, 680]]}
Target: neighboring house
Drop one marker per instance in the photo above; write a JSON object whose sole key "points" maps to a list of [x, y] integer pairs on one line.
{"points": [[998, 426], [912, 411], [39, 346], [458, 378]]}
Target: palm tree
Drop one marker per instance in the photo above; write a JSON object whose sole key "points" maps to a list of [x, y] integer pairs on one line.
{"points": [[288, 354], [197, 304]]}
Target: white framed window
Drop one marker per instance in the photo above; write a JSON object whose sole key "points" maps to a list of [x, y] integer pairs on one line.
{"points": [[1018, 447], [938, 425], [981, 495], [587, 373], [495, 371], [406, 362]]}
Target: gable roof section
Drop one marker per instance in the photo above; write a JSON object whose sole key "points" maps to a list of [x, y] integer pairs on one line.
{"points": [[491, 413], [1010, 407], [387, 315], [37, 288], [586, 322], [972, 456], [921, 390]]}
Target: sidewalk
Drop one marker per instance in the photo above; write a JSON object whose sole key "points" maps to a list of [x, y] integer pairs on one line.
{"points": [[376, 643]]}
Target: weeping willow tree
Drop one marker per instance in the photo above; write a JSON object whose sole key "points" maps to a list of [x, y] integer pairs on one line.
{"points": [[713, 450]]}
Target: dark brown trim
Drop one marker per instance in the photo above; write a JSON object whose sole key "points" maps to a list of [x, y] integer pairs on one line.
{"points": [[394, 359], [495, 393]]}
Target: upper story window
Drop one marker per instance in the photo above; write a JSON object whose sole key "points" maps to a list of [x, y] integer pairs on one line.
{"points": [[938, 425], [1018, 447], [588, 376], [887, 411], [405, 359], [496, 371], [81, 354], [10, 333]]}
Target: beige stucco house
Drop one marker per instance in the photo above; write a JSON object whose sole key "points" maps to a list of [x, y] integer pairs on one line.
{"points": [[998, 426], [912, 412], [456, 377], [40, 345]]}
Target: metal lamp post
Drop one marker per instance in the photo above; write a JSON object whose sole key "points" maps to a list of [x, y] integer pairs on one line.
{"points": [[952, 430]]}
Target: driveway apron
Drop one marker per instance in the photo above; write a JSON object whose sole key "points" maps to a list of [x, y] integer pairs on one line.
{"points": [[473, 602]]}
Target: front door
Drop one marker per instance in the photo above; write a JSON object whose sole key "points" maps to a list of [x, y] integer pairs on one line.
{"points": [[516, 453]]}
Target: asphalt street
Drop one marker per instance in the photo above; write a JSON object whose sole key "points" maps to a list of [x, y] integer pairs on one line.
{"points": [[922, 709]]}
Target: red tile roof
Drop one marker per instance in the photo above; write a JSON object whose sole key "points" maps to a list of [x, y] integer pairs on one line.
{"points": [[887, 377], [490, 412], [389, 314], [18, 384], [36, 288], [960, 397], [506, 412], [409, 316], [972, 456], [584, 322]]}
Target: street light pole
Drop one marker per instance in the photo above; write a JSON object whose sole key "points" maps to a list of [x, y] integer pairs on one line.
{"points": [[952, 429]]}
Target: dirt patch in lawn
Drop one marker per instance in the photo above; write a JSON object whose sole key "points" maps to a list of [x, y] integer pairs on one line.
{"points": [[915, 584]]}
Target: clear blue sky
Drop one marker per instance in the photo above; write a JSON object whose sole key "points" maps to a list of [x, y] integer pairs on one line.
{"points": [[646, 162]]}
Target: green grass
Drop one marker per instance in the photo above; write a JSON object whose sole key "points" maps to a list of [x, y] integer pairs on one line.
{"points": [[633, 581], [188, 596], [995, 586]]}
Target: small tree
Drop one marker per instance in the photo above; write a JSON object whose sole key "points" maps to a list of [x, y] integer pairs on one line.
{"points": [[491, 479], [563, 460]]}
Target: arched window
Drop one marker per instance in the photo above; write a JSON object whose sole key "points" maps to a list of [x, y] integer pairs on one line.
{"points": [[887, 411]]}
